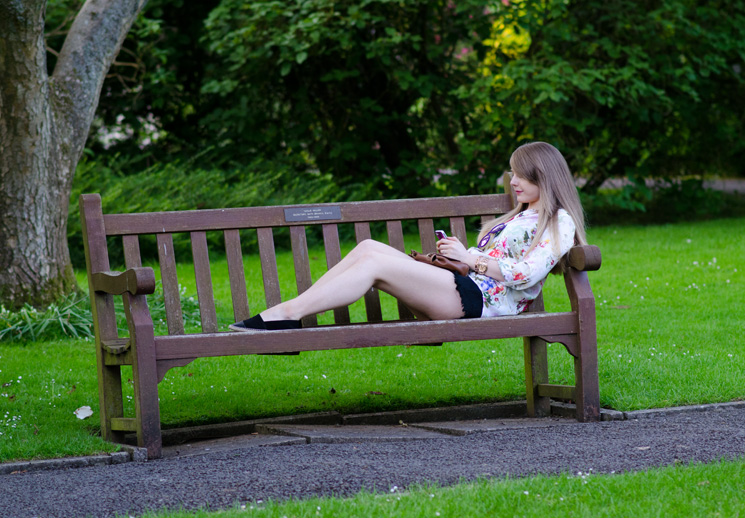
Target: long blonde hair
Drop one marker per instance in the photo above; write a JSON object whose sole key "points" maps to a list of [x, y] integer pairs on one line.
{"points": [[543, 165]]}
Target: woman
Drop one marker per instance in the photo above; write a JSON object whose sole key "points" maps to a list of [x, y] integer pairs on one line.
{"points": [[508, 268]]}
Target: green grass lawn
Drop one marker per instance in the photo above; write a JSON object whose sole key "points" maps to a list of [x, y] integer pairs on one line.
{"points": [[691, 490], [669, 324]]}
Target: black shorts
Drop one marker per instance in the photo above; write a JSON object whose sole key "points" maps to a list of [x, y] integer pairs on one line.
{"points": [[471, 297]]}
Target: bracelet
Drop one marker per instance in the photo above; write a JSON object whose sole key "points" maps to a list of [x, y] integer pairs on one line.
{"points": [[482, 264]]}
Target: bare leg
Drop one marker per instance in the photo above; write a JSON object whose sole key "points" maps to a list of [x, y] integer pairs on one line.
{"points": [[426, 290], [365, 247]]}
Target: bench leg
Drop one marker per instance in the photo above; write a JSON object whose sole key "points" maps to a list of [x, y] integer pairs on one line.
{"points": [[110, 399], [587, 390], [536, 373], [144, 375]]}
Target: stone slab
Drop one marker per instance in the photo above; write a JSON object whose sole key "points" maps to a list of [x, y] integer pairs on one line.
{"points": [[454, 413], [492, 425], [184, 435], [659, 412], [351, 433], [229, 443]]}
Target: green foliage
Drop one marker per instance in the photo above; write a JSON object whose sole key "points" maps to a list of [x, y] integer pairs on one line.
{"points": [[625, 89], [70, 317], [430, 97], [363, 88], [183, 186]]}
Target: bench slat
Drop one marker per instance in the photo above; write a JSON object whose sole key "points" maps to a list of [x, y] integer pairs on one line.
{"points": [[268, 257], [363, 335], [131, 245], [169, 279], [333, 256], [396, 240], [234, 255], [372, 297], [203, 279], [427, 236], [303, 278], [458, 229], [351, 212]]}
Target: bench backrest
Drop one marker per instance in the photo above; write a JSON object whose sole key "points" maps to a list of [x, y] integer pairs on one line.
{"points": [[264, 220]]}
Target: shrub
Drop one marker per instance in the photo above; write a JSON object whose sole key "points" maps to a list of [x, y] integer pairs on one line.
{"points": [[182, 186], [71, 317]]}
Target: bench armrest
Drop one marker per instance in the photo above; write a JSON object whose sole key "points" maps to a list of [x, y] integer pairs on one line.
{"points": [[137, 281], [584, 258]]}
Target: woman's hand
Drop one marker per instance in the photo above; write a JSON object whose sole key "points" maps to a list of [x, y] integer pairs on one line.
{"points": [[454, 249]]}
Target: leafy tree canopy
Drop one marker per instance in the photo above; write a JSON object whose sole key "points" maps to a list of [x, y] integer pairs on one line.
{"points": [[402, 95]]}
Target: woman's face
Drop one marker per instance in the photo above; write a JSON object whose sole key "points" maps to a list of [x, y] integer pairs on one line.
{"points": [[526, 191]]}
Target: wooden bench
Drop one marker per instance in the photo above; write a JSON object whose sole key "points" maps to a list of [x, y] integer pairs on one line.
{"points": [[152, 356]]}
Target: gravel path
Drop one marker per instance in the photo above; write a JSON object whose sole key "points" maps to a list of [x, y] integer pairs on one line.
{"points": [[219, 479]]}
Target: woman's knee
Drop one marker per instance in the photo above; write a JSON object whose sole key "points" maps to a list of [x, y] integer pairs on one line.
{"points": [[371, 246]]}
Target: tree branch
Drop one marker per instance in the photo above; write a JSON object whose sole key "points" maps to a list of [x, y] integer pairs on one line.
{"points": [[91, 46]]}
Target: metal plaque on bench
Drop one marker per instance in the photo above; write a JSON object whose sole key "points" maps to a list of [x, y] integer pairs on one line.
{"points": [[312, 213]]}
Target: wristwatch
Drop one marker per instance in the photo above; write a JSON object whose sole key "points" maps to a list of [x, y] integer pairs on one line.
{"points": [[482, 263]]}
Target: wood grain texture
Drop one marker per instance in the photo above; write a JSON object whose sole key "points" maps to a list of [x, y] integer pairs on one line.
{"points": [[238, 292], [256, 217], [203, 277], [333, 257], [269, 267], [303, 278], [373, 311], [169, 280]]}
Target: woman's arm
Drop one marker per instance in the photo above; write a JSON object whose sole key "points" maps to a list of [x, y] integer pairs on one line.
{"points": [[453, 248]]}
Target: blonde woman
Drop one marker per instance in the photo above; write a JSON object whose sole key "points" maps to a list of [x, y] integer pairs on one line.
{"points": [[515, 254]]}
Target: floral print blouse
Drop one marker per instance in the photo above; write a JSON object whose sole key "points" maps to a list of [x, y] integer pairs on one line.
{"points": [[524, 273]]}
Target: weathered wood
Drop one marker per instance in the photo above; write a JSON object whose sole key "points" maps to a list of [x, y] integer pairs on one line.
{"points": [[535, 353], [333, 257], [124, 424], [255, 217], [169, 280], [117, 346], [586, 363], [458, 229], [203, 278], [427, 235], [144, 374], [396, 240], [238, 293], [373, 310], [132, 257], [566, 392], [268, 257], [136, 281], [110, 398], [584, 258], [363, 335], [303, 278]]}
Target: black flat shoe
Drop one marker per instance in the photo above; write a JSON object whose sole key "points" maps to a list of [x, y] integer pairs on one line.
{"points": [[256, 322]]}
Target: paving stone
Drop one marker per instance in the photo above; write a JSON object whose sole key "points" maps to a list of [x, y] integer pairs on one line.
{"points": [[352, 433], [492, 425], [230, 443]]}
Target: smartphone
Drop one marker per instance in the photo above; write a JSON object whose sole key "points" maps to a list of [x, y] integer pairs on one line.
{"points": [[440, 234]]}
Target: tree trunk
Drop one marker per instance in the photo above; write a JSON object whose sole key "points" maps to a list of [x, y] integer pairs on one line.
{"points": [[44, 123]]}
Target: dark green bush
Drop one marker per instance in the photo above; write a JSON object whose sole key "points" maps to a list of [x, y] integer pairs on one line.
{"points": [[666, 202], [182, 186], [70, 317]]}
